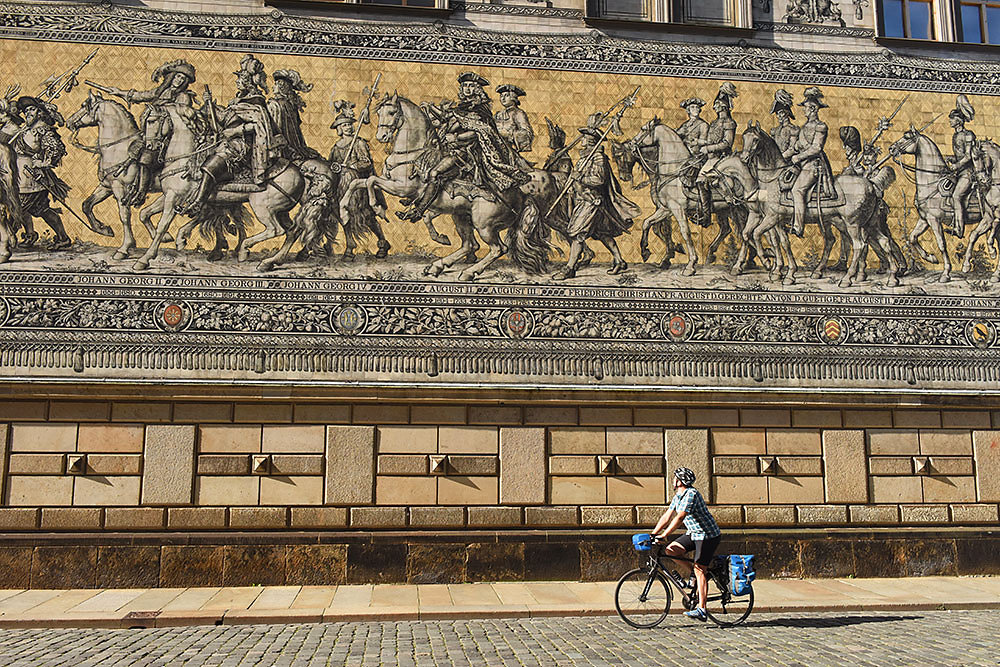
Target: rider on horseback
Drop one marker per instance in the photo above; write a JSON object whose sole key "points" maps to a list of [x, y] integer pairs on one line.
{"points": [[512, 122], [714, 147], [285, 106], [808, 155], [174, 78], [472, 148], [785, 133], [963, 143], [694, 131], [245, 134]]}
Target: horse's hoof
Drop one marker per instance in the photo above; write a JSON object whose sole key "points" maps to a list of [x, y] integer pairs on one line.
{"points": [[688, 271], [119, 256], [243, 255], [816, 275], [469, 258], [966, 268], [893, 281], [302, 255], [215, 256], [141, 265], [665, 264], [264, 267], [4, 257], [433, 270], [383, 250], [995, 278], [347, 257], [644, 253], [467, 276], [945, 278], [845, 283], [442, 239], [788, 280]]}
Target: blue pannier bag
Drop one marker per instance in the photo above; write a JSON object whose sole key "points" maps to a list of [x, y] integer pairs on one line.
{"points": [[642, 541], [741, 574]]}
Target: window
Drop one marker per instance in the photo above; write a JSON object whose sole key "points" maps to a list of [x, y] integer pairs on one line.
{"points": [[912, 19], [710, 12], [979, 21]]}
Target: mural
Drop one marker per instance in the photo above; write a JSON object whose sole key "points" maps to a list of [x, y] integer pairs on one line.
{"points": [[533, 208]]}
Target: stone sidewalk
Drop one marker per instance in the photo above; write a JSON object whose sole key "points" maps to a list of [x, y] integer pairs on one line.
{"points": [[166, 607]]}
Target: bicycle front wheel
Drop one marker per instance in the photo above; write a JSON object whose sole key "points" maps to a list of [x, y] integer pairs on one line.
{"points": [[725, 609], [642, 598]]}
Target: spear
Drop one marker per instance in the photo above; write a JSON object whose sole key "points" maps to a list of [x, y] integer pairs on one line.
{"points": [[628, 100], [56, 85], [886, 123], [890, 156], [363, 119]]}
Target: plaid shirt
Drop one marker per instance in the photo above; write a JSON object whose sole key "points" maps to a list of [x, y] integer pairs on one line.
{"points": [[698, 521]]}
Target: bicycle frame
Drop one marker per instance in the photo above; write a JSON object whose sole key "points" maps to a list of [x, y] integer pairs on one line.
{"points": [[689, 598]]}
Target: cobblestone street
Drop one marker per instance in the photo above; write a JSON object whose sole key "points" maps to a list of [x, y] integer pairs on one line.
{"points": [[905, 638]]}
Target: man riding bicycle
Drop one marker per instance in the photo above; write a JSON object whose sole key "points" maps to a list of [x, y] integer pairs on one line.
{"points": [[702, 537]]}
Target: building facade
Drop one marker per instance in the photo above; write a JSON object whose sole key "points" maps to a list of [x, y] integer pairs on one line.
{"points": [[440, 290]]}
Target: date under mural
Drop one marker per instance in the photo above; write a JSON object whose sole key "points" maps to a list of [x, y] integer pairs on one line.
{"points": [[311, 219]]}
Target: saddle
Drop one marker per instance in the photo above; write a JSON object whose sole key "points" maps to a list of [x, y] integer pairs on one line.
{"points": [[828, 193]]}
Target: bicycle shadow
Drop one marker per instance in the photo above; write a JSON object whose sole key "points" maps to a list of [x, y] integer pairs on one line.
{"points": [[826, 622]]}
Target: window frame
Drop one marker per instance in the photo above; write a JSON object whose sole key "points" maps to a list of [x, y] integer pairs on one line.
{"points": [[670, 13], [982, 5]]}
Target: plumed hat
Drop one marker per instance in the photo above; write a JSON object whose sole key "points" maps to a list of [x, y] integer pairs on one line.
{"points": [[49, 111], [963, 109], [557, 136], [851, 138], [467, 77], [345, 113], [697, 101], [255, 68], [591, 132], [727, 92], [294, 79], [782, 102], [511, 88], [164, 71], [814, 95]]}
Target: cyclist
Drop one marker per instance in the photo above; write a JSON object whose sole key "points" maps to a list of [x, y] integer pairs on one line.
{"points": [[703, 534]]}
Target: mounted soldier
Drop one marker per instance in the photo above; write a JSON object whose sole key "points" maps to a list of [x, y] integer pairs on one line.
{"points": [[472, 150], [285, 107], [808, 156], [174, 79], [717, 145], [247, 141], [694, 131], [39, 150], [785, 133], [963, 143], [512, 123]]}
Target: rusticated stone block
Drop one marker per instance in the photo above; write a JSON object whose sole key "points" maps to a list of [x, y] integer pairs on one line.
{"points": [[874, 514], [713, 417], [28, 491], [18, 519], [577, 440], [253, 565], [946, 442], [228, 490], [739, 490], [36, 464], [648, 515], [71, 518], [224, 464], [795, 490], [64, 567], [822, 515], [438, 414], [634, 441], [974, 514], [522, 466], [775, 558], [879, 558], [552, 561], [636, 490], [316, 565], [800, 465], [15, 567], [128, 567], [893, 442], [203, 413], [407, 439], [830, 558], [106, 491], [319, 517], [945, 489], [406, 490], [435, 564], [769, 515], [605, 416], [890, 465], [572, 465], [114, 464], [916, 419], [495, 517], [23, 411], [919, 514], [952, 465], [757, 417], [468, 440], [134, 518], [602, 560], [440, 517], [467, 490], [551, 516], [896, 490], [473, 465], [378, 517], [688, 448], [350, 463], [140, 413], [379, 563], [291, 490], [927, 558], [411, 464], [186, 566], [256, 518], [168, 465], [266, 413], [380, 413], [965, 419], [640, 465], [550, 416], [734, 465], [228, 439], [578, 490], [108, 438], [79, 411], [986, 449], [495, 561], [736, 442], [660, 417], [293, 439], [816, 419], [727, 515], [321, 413], [978, 555], [606, 515], [793, 442], [844, 462], [196, 518], [867, 418], [495, 414], [43, 438]]}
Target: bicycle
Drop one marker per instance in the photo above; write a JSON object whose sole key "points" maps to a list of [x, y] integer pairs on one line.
{"points": [[643, 595]]}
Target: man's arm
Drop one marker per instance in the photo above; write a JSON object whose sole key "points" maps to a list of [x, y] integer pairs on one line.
{"points": [[815, 148], [672, 523]]}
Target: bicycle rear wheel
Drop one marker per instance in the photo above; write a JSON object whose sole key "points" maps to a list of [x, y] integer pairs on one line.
{"points": [[725, 609], [642, 598]]}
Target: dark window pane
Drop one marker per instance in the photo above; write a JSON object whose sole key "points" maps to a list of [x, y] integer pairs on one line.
{"points": [[892, 18], [920, 20], [993, 25], [971, 30]]}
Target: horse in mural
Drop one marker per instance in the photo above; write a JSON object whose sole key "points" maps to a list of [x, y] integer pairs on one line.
{"points": [[405, 128], [986, 163], [934, 182], [664, 158], [855, 213]]}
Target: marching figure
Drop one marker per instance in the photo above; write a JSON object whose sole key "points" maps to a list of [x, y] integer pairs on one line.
{"points": [[352, 155], [246, 134], [808, 155], [174, 79], [285, 106], [471, 149], [717, 145], [785, 133], [963, 143], [694, 131], [39, 151], [10, 126], [512, 122], [600, 210]]}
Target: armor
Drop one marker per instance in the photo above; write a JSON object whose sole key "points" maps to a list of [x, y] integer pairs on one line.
{"points": [[809, 156], [963, 143]]}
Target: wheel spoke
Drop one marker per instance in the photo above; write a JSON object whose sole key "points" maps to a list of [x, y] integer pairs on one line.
{"points": [[642, 599]]}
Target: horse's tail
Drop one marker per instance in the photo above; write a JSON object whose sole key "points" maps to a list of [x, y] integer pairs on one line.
{"points": [[529, 246], [214, 222]]}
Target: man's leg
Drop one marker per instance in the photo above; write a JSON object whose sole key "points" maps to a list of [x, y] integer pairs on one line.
{"points": [[676, 550], [619, 265], [805, 180], [701, 574], [962, 188]]}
